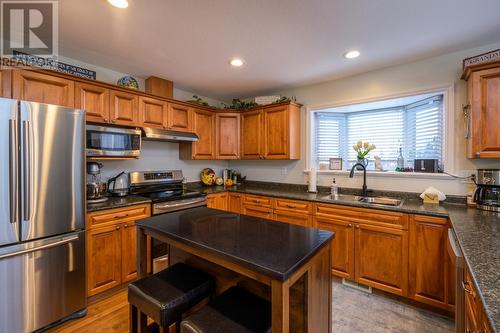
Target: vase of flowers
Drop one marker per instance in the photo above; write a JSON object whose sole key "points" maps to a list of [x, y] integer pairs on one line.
{"points": [[362, 149]]}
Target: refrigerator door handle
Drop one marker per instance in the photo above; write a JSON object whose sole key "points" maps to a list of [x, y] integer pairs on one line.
{"points": [[26, 170], [13, 175], [55, 243]]}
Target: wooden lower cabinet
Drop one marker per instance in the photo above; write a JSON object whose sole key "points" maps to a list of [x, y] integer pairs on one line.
{"points": [[234, 202], [342, 245], [428, 258], [476, 320], [381, 258], [218, 201], [301, 219], [111, 247], [129, 251], [257, 211], [103, 259]]}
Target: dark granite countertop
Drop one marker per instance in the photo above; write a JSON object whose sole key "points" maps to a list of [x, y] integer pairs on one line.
{"points": [[478, 232], [117, 202], [271, 248]]}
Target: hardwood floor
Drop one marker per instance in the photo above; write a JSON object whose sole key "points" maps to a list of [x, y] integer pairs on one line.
{"points": [[353, 311], [106, 316]]}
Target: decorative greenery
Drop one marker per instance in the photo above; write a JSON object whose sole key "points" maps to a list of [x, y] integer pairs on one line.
{"points": [[363, 148], [284, 99], [238, 104], [198, 100]]}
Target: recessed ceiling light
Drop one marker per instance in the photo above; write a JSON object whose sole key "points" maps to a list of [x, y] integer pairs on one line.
{"points": [[119, 3], [351, 54], [236, 62]]}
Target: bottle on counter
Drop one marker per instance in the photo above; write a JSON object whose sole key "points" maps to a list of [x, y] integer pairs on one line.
{"points": [[401, 161], [334, 189]]}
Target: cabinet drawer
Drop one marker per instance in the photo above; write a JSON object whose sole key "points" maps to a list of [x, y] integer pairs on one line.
{"points": [[257, 211], [258, 200], [119, 215], [293, 205], [362, 215], [290, 217]]}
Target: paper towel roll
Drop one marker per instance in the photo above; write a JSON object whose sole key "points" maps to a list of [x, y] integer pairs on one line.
{"points": [[312, 180]]}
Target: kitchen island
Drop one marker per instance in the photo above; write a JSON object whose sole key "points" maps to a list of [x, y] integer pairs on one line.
{"points": [[287, 264]]}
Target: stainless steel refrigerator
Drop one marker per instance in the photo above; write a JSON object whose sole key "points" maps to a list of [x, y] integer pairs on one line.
{"points": [[42, 215]]}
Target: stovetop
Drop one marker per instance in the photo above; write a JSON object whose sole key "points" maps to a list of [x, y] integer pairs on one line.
{"points": [[171, 195]]}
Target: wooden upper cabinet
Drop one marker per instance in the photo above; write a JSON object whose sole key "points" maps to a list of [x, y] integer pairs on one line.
{"points": [[179, 118], [484, 112], [228, 136], [124, 108], [342, 247], [152, 112], [251, 135], [381, 258], [281, 132], [37, 87], [430, 268], [204, 127], [94, 100], [6, 83]]}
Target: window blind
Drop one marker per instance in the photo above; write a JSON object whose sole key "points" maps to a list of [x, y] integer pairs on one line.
{"points": [[330, 135], [416, 127], [383, 128]]}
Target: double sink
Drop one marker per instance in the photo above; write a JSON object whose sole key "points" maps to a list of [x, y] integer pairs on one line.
{"points": [[380, 201]]}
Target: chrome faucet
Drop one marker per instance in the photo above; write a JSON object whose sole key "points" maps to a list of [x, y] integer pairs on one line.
{"points": [[365, 190]]}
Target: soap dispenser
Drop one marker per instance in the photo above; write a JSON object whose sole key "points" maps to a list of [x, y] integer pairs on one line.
{"points": [[334, 190]]}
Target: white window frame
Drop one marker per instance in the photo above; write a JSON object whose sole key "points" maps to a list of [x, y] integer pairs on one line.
{"points": [[448, 133]]}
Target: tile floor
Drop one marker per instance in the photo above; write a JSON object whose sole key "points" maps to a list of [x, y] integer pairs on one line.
{"points": [[357, 311]]}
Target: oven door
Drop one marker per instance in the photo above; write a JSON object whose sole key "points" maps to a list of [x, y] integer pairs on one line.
{"points": [[113, 141], [172, 206]]}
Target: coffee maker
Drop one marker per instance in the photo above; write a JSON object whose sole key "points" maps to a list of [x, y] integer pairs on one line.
{"points": [[96, 189], [487, 195]]}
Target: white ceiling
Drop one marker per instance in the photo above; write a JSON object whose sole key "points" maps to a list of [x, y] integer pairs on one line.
{"points": [[285, 43]]}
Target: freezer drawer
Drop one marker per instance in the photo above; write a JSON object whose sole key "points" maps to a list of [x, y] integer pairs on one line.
{"points": [[41, 282]]}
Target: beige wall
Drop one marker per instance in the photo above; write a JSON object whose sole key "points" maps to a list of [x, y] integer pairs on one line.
{"points": [[442, 71]]}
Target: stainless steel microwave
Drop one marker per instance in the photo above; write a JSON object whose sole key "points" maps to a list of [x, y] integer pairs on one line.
{"points": [[104, 141]]}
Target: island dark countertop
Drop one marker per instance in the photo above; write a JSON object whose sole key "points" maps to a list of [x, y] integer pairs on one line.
{"points": [[271, 248]]}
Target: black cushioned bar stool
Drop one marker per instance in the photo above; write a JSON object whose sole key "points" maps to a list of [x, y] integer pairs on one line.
{"points": [[234, 311], [166, 295]]}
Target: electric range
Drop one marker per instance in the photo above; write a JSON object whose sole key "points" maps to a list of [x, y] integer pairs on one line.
{"points": [[165, 189]]}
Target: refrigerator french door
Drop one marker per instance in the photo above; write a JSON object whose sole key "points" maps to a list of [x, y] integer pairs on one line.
{"points": [[42, 238]]}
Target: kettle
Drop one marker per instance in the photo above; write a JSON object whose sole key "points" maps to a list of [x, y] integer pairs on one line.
{"points": [[118, 185]]}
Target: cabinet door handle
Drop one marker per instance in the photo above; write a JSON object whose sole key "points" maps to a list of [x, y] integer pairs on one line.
{"points": [[117, 227], [125, 225], [467, 288], [291, 206], [120, 216], [349, 225], [357, 226]]}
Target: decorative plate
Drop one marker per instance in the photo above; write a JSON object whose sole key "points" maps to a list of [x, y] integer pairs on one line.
{"points": [[128, 82], [207, 176]]}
